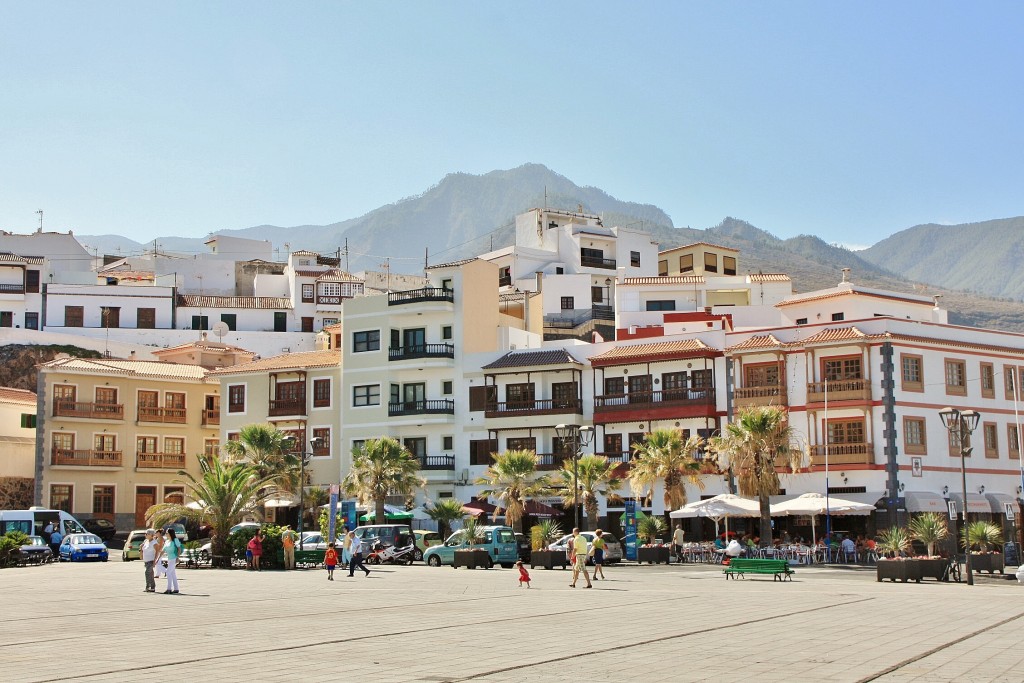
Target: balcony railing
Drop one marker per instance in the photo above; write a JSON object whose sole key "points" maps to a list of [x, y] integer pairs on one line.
{"points": [[437, 462], [546, 406], [504, 280], [665, 397], [618, 456], [167, 415], [287, 406], [103, 411], [594, 262], [439, 407], [773, 394], [843, 454], [421, 351], [425, 294], [70, 456], [163, 461], [839, 390], [211, 417], [12, 289], [552, 461]]}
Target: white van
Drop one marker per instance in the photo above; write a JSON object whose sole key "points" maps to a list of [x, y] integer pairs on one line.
{"points": [[34, 520]]}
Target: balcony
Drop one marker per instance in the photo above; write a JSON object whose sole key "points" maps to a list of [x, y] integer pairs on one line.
{"points": [[769, 394], [437, 462], [162, 461], [440, 407], [85, 458], [165, 415], [667, 397], [547, 406], [419, 295], [843, 454], [421, 351], [211, 417], [286, 406], [552, 461], [839, 390], [100, 411], [594, 262], [12, 289]]}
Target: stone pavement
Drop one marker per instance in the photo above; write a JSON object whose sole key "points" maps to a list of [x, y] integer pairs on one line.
{"points": [[651, 623]]}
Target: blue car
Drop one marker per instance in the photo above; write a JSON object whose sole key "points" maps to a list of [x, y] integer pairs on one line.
{"points": [[82, 547], [498, 541]]}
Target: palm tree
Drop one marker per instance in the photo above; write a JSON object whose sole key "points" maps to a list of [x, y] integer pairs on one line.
{"points": [[269, 451], [751, 444], [444, 512], [315, 498], [225, 492], [664, 456], [382, 468], [595, 476], [513, 480]]}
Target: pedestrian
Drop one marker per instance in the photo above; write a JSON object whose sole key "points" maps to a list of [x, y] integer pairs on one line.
{"points": [[330, 561], [579, 551], [346, 553], [172, 549], [147, 551], [55, 538], [256, 548], [524, 576], [597, 552], [159, 561], [288, 539], [678, 538], [356, 551], [47, 532]]}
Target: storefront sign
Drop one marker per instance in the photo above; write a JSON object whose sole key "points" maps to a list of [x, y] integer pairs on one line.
{"points": [[952, 509]]}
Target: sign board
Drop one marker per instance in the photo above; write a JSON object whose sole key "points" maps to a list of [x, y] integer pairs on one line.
{"points": [[1011, 554], [631, 537], [1008, 507], [332, 515], [916, 468], [348, 514], [952, 509]]}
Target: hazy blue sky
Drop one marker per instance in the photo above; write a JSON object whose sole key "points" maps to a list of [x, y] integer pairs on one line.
{"points": [[846, 120]]}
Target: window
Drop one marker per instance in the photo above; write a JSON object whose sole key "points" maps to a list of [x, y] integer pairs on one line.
{"points": [[836, 369], [6, 318], [366, 395], [1009, 382], [447, 443], [447, 387], [103, 500], [991, 434], [104, 443], [480, 451], [110, 317], [28, 420], [913, 379], [446, 332], [307, 293], [145, 444], [702, 379], [673, 385], [520, 394], [230, 319], [330, 321], [332, 289], [32, 281], [358, 445], [564, 394], [482, 398], [614, 386], [1014, 441], [914, 436], [568, 303], [662, 267], [236, 398], [174, 445], [686, 263], [106, 395], [61, 496], [145, 318], [661, 305], [368, 340], [634, 259], [31, 321], [522, 443], [321, 393], [846, 431], [63, 441], [200, 322], [836, 317], [710, 262], [74, 316], [446, 284], [761, 375], [801, 321], [956, 377], [417, 446], [613, 444], [728, 265], [988, 381], [324, 436], [174, 494], [174, 399], [211, 447]]}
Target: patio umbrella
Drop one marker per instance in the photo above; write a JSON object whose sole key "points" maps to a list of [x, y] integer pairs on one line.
{"points": [[391, 513], [719, 507], [283, 501], [815, 504]]}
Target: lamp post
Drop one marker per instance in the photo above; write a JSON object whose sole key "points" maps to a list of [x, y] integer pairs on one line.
{"points": [[962, 424], [580, 438], [314, 444]]}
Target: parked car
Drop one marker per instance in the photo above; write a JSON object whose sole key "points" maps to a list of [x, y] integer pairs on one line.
{"points": [[243, 525], [132, 546], [389, 534], [425, 539], [82, 547], [612, 549], [498, 541], [33, 522], [36, 551], [316, 541], [103, 528], [179, 531], [523, 544]]}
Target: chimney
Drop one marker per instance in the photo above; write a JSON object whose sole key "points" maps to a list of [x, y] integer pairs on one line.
{"points": [[540, 281]]}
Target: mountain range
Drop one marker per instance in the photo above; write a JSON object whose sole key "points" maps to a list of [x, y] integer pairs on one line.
{"points": [[973, 266]]}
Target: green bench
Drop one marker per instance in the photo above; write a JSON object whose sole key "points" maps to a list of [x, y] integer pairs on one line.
{"points": [[778, 568]]}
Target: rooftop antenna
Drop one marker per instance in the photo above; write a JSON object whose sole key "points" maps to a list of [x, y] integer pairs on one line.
{"points": [[40, 212], [846, 273]]}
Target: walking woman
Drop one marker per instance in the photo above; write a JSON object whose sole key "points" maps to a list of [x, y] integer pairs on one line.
{"points": [[597, 551], [172, 549]]}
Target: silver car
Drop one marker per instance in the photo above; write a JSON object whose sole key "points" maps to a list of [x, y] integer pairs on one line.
{"points": [[612, 549]]}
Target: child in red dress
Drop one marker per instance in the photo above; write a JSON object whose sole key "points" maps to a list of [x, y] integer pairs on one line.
{"points": [[524, 576]]}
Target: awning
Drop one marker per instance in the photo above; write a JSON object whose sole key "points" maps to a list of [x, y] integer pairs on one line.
{"points": [[926, 501], [283, 501], [976, 503], [538, 509], [999, 501], [391, 514]]}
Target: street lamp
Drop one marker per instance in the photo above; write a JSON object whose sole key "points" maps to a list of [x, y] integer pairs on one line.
{"points": [[314, 444], [962, 424], [579, 437]]}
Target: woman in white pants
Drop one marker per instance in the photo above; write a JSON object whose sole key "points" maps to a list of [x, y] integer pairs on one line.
{"points": [[172, 550], [158, 563]]}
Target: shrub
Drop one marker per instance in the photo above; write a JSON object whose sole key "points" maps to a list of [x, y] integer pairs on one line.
{"points": [[543, 533], [894, 541], [272, 548], [982, 534], [929, 528], [650, 528], [10, 548]]}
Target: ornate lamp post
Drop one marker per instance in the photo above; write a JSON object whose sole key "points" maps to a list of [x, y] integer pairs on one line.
{"points": [[579, 438], [962, 424]]}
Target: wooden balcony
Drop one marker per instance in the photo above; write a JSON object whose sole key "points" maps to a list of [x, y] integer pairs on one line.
{"points": [[163, 461], [419, 295], [770, 394], [289, 406], [843, 454], [421, 351], [211, 417], [437, 462], [439, 407], [552, 461], [164, 415], [85, 458], [99, 411], [839, 390], [8, 288], [547, 406], [667, 397]]}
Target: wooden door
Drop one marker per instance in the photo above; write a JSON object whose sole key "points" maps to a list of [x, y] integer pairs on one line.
{"points": [[145, 497]]}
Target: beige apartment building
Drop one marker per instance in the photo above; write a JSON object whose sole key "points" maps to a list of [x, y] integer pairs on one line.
{"points": [[17, 447]]}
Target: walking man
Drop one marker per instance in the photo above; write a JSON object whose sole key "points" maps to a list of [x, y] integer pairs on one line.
{"points": [[356, 550], [288, 542], [579, 551], [55, 538], [147, 551], [678, 538]]}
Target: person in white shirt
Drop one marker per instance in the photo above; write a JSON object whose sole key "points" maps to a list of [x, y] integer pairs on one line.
{"points": [[147, 551], [849, 547], [678, 538]]}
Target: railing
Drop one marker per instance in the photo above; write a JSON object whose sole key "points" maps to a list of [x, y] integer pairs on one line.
{"points": [[619, 456], [504, 280], [437, 462], [439, 407], [552, 461], [12, 289], [211, 417], [675, 397], [154, 414], [774, 394], [425, 294], [594, 262], [288, 406], [839, 390], [103, 411], [843, 454], [546, 406], [69, 456], [604, 312], [163, 461], [421, 351]]}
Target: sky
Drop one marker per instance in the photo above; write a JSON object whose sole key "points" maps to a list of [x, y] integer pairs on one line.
{"points": [[850, 121]]}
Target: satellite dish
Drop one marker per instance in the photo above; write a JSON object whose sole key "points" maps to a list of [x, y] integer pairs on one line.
{"points": [[220, 329]]}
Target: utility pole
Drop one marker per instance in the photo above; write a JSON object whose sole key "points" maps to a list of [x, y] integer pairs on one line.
{"points": [[347, 267], [40, 212]]}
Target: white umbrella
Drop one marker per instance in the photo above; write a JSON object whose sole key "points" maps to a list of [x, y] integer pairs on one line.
{"points": [[814, 504], [724, 505], [284, 501], [196, 505]]}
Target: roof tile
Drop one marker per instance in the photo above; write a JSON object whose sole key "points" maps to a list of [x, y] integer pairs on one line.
{"points": [[621, 355], [522, 359], [265, 302], [299, 360]]}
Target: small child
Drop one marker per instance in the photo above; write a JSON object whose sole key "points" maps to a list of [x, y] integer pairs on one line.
{"points": [[524, 576], [331, 561]]}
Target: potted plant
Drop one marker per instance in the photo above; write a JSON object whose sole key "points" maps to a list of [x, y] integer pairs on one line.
{"points": [[930, 528], [649, 529], [470, 556], [541, 535], [893, 543], [983, 535]]}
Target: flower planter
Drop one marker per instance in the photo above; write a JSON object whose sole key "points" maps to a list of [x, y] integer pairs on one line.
{"points": [[653, 555], [987, 562], [471, 559], [932, 568], [548, 559], [898, 570]]}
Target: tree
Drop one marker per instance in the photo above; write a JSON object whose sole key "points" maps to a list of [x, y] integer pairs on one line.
{"points": [[224, 494], [382, 467], [315, 498], [444, 512], [269, 451], [664, 456], [595, 476], [751, 445], [513, 480]]}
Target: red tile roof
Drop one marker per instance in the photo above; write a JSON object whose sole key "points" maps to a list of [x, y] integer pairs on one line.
{"points": [[834, 334], [286, 361], [769, 277], [664, 280], [763, 341], [822, 294], [267, 302], [521, 359], [11, 395], [621, 355]]}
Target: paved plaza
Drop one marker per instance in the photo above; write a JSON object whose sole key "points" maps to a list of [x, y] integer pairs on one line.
{"points": [[648, 623]]}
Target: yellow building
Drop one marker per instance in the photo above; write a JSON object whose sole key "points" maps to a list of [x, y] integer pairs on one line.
{"points": [[17, 447]]}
